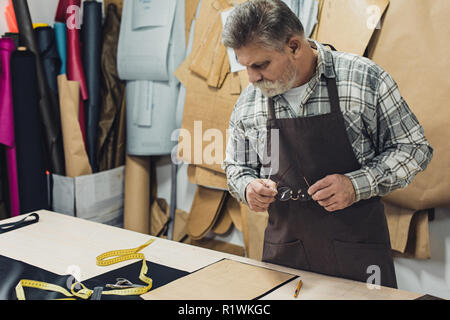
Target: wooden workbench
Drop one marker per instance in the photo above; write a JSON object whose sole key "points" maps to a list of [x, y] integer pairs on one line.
{"points": [[58, 243]]}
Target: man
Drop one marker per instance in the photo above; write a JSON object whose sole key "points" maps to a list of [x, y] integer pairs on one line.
{"points": [[339, 136]]}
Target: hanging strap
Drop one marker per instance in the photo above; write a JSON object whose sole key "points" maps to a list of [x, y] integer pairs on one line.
{"points": [[333, 95], [19, 224], [271, 109]]}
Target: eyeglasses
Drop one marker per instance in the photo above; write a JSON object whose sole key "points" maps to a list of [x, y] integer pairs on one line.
{"points": [[285, 193]]}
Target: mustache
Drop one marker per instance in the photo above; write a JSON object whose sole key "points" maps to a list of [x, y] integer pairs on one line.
{"points": [[268, 84]]}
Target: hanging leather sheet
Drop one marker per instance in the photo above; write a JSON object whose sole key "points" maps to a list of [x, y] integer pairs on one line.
{"points": [[48, 107], [112, 93], [92, 41], [30, 165]]}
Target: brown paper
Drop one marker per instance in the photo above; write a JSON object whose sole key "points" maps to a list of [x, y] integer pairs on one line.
{"points": [[159, 216], [206, 177], [418, 245], [361, 18], [220, 64], [254, 226], [76, 159], [398, 220], [408, 230], [137, 194], [179, 227], [235, 83], [224, 222], [223, 280], [410, 46], [204, 54], [234, 210], [205, 210], [203, 103]]}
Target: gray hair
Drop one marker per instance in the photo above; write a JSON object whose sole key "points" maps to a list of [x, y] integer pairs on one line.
{"points": [[269, 23]]}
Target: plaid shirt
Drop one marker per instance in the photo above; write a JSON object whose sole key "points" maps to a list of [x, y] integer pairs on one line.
{"points": [[385, 135]]}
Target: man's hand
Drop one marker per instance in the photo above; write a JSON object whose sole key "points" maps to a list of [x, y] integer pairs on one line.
{"points": [[260, 193], [334, 192]]}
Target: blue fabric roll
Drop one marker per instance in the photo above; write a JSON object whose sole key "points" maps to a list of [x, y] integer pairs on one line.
{"points": [[61, 44]]}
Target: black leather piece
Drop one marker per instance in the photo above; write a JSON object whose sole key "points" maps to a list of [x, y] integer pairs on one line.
{"points": [[45, 37], [92, 46], [12, 271], [26, 221], [48, 107], [110, 141], [27, 129]]}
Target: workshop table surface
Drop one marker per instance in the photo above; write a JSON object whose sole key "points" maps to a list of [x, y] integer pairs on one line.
{"points": [[61, 243]]}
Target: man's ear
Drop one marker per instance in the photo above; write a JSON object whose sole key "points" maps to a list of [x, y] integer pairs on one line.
{"points": [[294, 44]]}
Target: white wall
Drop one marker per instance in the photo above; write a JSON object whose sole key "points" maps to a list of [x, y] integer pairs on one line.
{"points": [[423, 276]]}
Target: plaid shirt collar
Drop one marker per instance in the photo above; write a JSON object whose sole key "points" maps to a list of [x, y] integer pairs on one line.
{"points": [[325, 66]]}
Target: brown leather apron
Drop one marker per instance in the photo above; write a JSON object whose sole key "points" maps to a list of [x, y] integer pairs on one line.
{"points": [[300, 233]]}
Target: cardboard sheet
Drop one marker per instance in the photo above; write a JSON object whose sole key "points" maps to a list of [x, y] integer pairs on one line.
{"points": [[410, 46], [224, 222], [159, 216], [205, 210], [76, 159], [234, 210], [207, 178], [254, 225], [408, 230], [137, 194], [361, 18], [211, 106], [219, 282]]}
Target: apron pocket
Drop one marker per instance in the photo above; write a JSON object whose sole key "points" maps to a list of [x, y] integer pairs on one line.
{"points": [[290, 254], [366, 262]]}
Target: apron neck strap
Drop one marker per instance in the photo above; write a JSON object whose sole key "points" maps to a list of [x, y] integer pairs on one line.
{"points": [[333, 95], [271, 109]]}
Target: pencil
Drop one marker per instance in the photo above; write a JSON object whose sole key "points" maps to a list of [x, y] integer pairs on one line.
{"points": [[298, 288]]}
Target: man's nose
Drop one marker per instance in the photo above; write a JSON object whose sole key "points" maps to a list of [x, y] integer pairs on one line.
{"points": [[253, 75]]}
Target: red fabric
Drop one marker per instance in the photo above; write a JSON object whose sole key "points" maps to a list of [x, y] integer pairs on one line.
{"points": [[75, 70], [60, 15]]}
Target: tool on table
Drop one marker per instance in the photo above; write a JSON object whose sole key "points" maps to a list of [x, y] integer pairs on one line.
{"points": [[299, 285], [123, 283]]}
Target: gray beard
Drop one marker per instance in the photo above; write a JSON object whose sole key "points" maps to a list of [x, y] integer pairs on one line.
{"points": [[273, 88]]}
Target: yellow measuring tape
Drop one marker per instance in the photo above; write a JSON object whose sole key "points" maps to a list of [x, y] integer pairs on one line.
{"points": [[114, 256]]}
